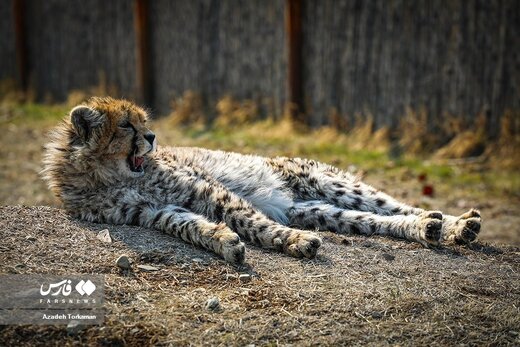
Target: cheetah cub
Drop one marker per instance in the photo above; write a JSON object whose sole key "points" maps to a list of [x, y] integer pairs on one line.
{"points": [[105, 166]]}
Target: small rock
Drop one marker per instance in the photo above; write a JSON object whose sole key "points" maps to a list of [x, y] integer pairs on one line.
{"points": [[244, 277], [147, 268], [30, 238], [376, 315], [104, 235], [229, 277], [388, 257], [74, 327], [197, 260], [213, 304], [123, 262]]}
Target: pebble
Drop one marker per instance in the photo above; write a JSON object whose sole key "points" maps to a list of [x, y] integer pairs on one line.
{"points": [[147, 268], [123, 262], [74, 327], [104, 235], [244, 277], [213, 304]]}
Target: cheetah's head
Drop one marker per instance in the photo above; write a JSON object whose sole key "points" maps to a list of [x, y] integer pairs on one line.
{"points": [[113, 133]]}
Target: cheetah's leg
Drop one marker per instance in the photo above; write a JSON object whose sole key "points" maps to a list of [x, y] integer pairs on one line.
{"points": [[195, 229], [359, 196], [218, 203], [356, 195], [424, 228], [311, 180]]}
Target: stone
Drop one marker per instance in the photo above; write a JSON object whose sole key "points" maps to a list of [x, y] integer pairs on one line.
{"points": [[388, 257], [147, 268], [74, 327], [213, 304], [123, 262], [244, 277], [104, 236]]}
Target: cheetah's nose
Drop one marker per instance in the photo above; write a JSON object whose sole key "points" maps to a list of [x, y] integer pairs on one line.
{"points": [[150, 137]]}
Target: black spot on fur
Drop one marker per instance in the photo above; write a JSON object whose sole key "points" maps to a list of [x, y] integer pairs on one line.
{"points": [[217, 213], [380, 202], [396, 210], [233, 224], [357, 203], [246, 237], [168, 220], [256, 239], [337, 214], [340, 193], [315, 209], [358, 192], [355, 229], [157, 217], [226, 198], [321, 220], [136, 215]]}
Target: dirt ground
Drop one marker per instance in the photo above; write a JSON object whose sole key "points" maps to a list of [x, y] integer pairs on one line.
{"points": [[357, 291]]}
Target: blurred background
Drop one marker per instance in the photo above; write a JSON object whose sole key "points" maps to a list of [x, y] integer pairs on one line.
{"points": [[421, 98]]}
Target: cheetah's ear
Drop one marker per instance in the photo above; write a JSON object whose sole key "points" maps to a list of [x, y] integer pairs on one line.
{"points": [[85, 120]]}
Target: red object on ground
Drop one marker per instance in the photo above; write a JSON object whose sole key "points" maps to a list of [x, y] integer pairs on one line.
{"points": [[427, 190]]}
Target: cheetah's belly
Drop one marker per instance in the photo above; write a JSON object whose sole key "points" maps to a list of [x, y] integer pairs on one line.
{"points": [[250, 178]]}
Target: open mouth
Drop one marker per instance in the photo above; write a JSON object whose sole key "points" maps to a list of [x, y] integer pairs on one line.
{"points": [[135, 162]]}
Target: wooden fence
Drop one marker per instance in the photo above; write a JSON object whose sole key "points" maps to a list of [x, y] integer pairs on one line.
{"points": [[379, 57]]}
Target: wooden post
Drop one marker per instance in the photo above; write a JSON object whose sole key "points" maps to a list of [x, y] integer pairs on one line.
{"points": [[144, 92], [20, 43], [293, 22]]}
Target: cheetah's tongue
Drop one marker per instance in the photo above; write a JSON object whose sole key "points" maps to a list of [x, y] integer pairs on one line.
{"points": [[138, 161]]}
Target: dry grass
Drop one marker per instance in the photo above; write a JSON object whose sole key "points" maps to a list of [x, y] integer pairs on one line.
{"points": [[357, 291]]}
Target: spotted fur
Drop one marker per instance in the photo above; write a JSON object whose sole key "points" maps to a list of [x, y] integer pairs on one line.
{"points": [[104, 164]]}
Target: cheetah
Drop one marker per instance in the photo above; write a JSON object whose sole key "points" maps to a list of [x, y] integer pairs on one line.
{"points": [[104, 164]]}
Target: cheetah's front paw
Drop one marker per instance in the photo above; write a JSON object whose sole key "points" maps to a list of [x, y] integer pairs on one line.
{"points": [[229, 246], [429, 228], [302, 244], [465, 228]]}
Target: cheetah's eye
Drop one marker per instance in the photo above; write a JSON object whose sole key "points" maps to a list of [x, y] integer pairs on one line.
{"points": [[126, 125]]}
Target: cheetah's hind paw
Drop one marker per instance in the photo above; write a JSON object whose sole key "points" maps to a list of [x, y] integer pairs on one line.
{"points": [[430, 228]]}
